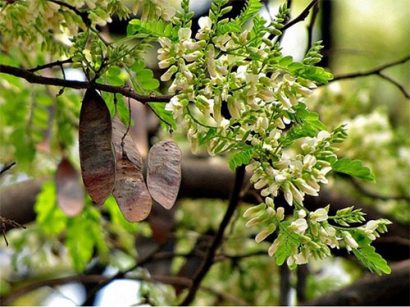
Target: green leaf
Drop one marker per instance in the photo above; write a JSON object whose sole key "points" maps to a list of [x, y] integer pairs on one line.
{"points": [[80, 242], [307, 124], [251, 9], [353, 168], [288, 243], [50, 218], [368, 256], [165, 116], [240, 158], [155, 28]]}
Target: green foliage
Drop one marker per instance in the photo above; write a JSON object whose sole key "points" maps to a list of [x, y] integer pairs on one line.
{"points": [[353, 168], [165, 116], [348, 215], [50, 218], [368, 256], [251, 9], [154, 28], [240, 158], [144, 80], [288, 243], [307, 123]]}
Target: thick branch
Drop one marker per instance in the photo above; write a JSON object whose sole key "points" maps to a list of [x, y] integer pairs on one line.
{"points": [[125, 91], [387, 290], [209, 259]]}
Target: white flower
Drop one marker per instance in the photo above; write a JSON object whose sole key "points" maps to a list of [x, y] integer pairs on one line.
{"points": [[175, 106], [299, 226], [319, 215], [205, 22], [184, 34], [274, 247], [350, 242]]}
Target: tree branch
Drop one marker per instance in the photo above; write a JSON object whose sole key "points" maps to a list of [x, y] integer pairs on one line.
{"points": [[6, 167], [51, 64], [395, 83], [209, 259], [374, 195], [371, 71], [377, 72], [125, 91], [301, 17], [83, 15], [387, 290], [311, 26]]}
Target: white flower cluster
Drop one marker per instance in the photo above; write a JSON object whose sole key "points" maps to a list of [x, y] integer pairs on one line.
{"points": [[234, 95]]}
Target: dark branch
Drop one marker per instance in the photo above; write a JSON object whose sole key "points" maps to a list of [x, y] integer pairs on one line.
{"points": [[374, 195], [49, 65], [387, 290], [121, 274], [371, 71], [7, 167], [311, 26], [378, 72], [395, 83], [302, 16], [83, 15], [209, 259], [125, 91]]}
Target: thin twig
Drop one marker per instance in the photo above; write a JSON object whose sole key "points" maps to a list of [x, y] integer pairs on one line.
{"points": [[7, 167], [395, 83], [372, 71], [378, 72], [209, 259], [51, 64], [90, 296], [374, 195], [301, 17], [311, 26], [125, 91], [83, 15]]}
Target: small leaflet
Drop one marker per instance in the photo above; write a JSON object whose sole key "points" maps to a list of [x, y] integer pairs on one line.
{"points": [[96, 154], [164, 173], [70, 195], [130, 190]]}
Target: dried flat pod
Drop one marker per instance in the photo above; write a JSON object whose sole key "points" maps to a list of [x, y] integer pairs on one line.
{"points": [[130, 190], [96, 154], [164, 173], [118, 131], [70, 193]]}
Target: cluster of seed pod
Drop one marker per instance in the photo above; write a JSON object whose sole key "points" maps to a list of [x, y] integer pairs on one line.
{"points": [[111, 164]]}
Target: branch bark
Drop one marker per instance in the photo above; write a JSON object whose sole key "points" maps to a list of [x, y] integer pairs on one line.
{"points": [[209, 259], [125, 91], [387, 290]]}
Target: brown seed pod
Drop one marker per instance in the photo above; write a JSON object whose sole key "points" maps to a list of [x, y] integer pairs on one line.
{"points": [[70, 193], [96, 154], [130, 190], [164, 173]]}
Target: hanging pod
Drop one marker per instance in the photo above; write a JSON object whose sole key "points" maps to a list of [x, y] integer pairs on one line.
{"points": [[96, 154], [164, 173], [70, 193], [130, 190]]}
